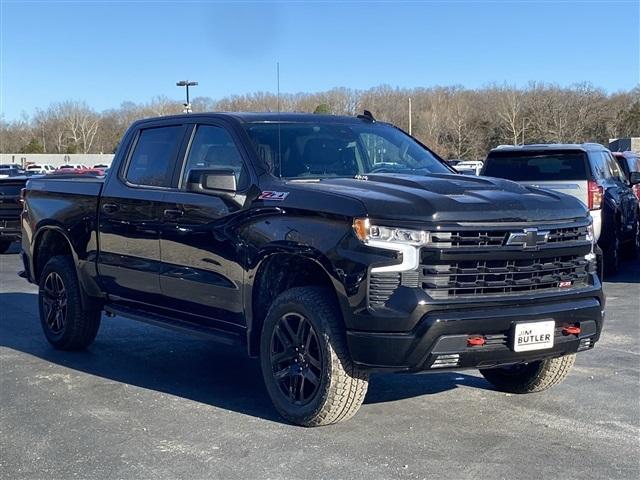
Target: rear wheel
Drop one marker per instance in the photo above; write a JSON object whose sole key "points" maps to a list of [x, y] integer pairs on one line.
{"points": [[305, 363], [5, 245], [611, 254], [65, 323], [530, 377], [632, 247]]}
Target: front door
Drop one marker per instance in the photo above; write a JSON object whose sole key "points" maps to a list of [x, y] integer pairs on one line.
{"points": [[202, 255], [130, 216]]}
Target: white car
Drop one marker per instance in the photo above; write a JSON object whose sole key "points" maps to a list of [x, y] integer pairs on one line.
{"points": [[73, 166], [469, 167], [43, 168]]}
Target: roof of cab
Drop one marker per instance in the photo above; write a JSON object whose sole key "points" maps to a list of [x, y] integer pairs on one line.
{"points": [[262, 117], [551, 146]]}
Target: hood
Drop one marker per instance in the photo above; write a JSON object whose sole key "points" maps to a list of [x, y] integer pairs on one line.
{"points": [[451, 198]]}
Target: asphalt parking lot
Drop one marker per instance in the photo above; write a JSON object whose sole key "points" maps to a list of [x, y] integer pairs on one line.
{"points": [[144, 402]]}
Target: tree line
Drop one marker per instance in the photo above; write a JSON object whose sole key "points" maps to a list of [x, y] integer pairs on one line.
{"points": [[454, 121]]}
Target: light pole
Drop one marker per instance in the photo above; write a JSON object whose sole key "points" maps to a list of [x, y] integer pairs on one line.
{"points": [[186, 84]]}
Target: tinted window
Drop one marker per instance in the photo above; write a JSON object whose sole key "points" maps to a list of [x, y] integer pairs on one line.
{"points": [[340, 150], [213, 148], [616, 172], [536, 166], [152, 161]]}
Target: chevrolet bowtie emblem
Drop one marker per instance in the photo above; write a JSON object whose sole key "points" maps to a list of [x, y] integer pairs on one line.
{"points": [[529, 238]]}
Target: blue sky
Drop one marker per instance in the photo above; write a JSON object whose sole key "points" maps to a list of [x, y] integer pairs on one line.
{"points": [[110, 52]]}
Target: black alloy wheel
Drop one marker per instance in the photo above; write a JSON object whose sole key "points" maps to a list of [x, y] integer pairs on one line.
{"points": [[54, 302], [296, 358]]}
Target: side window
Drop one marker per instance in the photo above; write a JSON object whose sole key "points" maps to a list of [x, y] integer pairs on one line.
{"points": [[615, 168], [213, 148], [600, 169], [153, 158]]}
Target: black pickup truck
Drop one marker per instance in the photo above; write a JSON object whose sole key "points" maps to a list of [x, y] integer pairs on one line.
{"points": [[10, 208], [329, 247]]}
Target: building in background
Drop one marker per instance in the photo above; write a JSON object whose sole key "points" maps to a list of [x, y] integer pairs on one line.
{"points": [[625, 144]]}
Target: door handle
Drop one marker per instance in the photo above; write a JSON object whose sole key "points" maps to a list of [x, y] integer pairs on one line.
{"points": [[173, 213], [110, 208]]}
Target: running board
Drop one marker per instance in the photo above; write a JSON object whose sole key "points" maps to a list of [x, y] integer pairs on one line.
{"points": [[220, 336]]}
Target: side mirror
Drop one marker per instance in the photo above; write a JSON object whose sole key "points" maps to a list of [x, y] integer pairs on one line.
{"points": [[212, 181], [634, 178]]}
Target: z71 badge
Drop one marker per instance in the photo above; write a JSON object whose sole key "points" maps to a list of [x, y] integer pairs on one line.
{"points": [[269, 195]]}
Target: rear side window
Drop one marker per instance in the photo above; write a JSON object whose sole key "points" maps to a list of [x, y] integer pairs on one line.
{"points": [[534, 166], [153, 157]]}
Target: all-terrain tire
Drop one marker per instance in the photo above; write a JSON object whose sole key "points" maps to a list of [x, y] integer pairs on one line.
{"points": [[4, 245], [532, 377], [341, 385], [66, 324]]}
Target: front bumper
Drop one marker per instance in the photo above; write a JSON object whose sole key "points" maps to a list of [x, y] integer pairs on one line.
{"points": [[439, 340]]}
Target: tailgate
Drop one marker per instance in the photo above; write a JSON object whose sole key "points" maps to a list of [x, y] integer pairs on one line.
{"points": [[576, 188], [10, 206]]}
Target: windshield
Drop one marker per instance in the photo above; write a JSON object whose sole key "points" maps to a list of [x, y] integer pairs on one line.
{"points": [[536, 166], [318, 150]]}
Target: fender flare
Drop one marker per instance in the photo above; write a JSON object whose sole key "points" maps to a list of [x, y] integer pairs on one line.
{"points": [[304, 253]]}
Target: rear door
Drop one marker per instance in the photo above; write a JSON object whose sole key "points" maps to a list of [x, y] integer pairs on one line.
{"points": [[561, 171], [130, 215], [202, 254]]}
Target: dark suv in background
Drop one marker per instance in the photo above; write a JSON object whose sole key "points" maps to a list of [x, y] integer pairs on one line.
{"points": [[587, 172]]}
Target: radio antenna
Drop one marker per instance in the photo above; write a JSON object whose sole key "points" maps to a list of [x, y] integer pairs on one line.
{"points": [[279, 137]]}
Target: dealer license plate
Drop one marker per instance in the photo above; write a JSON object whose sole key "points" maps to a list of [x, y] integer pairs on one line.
{"points": [[533, 336]]}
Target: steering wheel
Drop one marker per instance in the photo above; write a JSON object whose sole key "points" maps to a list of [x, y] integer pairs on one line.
{"points": [[382, 169]]}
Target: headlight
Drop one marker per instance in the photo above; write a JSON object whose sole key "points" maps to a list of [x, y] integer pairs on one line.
{"points": [[402, 240], [368, 233]]}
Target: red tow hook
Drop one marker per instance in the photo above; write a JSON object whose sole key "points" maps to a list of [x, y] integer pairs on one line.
{"points": [[476, 341], [571, 330]]}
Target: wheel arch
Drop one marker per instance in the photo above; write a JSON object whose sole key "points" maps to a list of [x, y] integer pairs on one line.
{"points": [[50, 241], [281, 270]]}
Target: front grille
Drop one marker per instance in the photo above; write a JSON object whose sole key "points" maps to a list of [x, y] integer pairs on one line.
{"points": [[498, 238], [495, 277], [466, 261]]}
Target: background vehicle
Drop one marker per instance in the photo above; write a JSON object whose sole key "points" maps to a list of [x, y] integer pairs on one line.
{"points": [[10, 171], [629, 163], [469, 167], [10, 208], [330, 247], [587, 172], [78, 171], [40, 169], [72, 166]]}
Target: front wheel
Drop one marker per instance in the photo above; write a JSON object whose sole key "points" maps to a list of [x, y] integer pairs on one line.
{"points": [[305, 364], [530, 377]]}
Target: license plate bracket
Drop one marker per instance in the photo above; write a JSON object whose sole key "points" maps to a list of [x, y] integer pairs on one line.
{"points": [[529, 336]]}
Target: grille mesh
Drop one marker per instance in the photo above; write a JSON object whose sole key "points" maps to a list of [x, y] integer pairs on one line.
{"points": [[485, 277]]}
